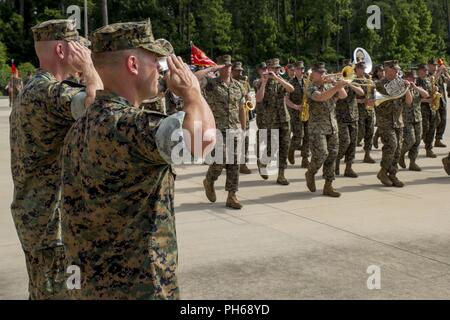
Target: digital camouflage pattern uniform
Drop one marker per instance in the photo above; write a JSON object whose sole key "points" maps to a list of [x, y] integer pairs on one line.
{"points": [[412, 132], [296, 124], [390, 126], [225, 101], [261, 118], [323, 132], [246, 88], [277, 116], [366, 123], [156, 104], [174, 104], [347, 119], [442, 112], [39, 122], [428, 116], [118, 220]]}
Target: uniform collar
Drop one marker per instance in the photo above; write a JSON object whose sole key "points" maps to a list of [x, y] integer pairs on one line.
{"points": [[43, 73], [112, 97]]}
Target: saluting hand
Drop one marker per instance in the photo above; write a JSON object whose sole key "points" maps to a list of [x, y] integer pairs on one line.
{"points": [[79, 57], [180, 79]]}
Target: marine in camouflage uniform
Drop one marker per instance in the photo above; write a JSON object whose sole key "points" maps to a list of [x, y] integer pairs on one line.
{"points": [[39, 121], [347, 118], [227, 101], [323, 130], [277, 117], [442, 81], [428, 114], [412, 132], [118, 220], [366, 123], [390, 125], [295, 99], [261, 116], [237, 71]]}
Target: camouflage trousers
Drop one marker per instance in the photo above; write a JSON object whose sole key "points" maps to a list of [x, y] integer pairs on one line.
{"points": [[412, 136], [348, 136], [232, 170], [284, 132], [366, 127], [297, 130], [392, 140], [46, 274], [428, 126], [441, 121], [305, 142], [324, 150]]}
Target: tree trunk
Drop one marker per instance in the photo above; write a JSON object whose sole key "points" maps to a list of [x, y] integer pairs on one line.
{"points": [[105, 12]]}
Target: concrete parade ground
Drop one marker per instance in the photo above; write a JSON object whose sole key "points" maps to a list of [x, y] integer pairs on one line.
{"points": [[287, 243]]}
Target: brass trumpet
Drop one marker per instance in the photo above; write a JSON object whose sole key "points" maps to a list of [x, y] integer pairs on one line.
{"points": [[349, 79], [249, 106]]}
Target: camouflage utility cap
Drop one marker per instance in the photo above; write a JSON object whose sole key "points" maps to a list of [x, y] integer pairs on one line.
{"points": [[238, 66], [299, 65], [392, 64], [274, 63], [224, 60], [125, 36], [55, 30]]}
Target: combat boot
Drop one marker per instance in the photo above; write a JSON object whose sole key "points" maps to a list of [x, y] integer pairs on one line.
{"points": [[395, 181], [401, 161], [281, 179], [430, 154], [262, 168], [349, 173], [244, 169], [439, 144], [337, 171], [232, 201], [291, 155], [329, 191], [414, 167], [383, 177], [368, 158], [446, 162], [305, 163], [209, 190], [310, 181]]}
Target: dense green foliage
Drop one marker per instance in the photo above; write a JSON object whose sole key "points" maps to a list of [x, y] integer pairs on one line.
{"points": [[254, 30]]}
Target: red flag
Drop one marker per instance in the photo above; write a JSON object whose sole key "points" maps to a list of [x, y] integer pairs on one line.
{"points": [[199, 58], [13, 68]]}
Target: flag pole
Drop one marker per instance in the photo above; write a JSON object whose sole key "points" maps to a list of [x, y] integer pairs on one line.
{"points": [[12, 83]]}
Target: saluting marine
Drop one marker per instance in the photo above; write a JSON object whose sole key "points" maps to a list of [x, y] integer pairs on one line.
{"points": [[39, 121]]}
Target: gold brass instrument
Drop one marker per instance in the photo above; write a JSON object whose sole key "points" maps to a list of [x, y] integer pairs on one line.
{"points": [[249, 106], [304, 114], [395, 89], [435, 95]]}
